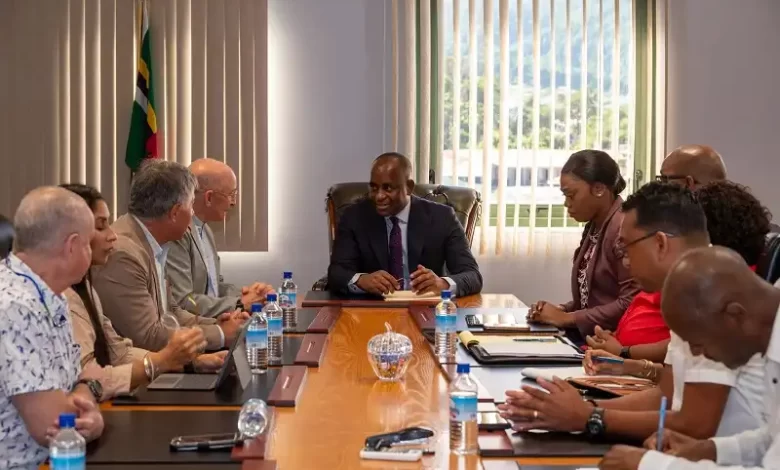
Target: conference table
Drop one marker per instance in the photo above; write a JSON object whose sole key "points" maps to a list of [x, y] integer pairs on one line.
{"points": [[341, 402]]}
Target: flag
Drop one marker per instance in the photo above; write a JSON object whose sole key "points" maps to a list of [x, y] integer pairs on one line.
{"points": [[142, 141]]}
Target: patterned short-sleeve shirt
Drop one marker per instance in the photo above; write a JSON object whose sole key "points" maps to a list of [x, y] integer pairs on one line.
{"points": [[37, 353]]}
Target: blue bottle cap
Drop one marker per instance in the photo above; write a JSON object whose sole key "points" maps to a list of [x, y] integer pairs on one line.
{"points": [[464, 369], [67, 420], [446, 294], [271, 297], [257, 307], [288, 274]]}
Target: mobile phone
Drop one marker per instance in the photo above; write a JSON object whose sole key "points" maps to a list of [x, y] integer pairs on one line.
{"points": [[206, 442], [491, 421]]}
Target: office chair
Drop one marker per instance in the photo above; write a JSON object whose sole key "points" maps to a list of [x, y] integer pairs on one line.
{"points": [[6, 236], [769, 263]]}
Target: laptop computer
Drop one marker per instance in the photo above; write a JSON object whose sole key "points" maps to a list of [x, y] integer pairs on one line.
{"points": [[236, 359]]}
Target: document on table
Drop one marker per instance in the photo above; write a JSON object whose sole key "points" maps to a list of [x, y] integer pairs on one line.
{"points": [[407, 295], [528, 348], [565, 373]]}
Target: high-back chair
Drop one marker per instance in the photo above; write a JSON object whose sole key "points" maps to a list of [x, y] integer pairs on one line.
{"points": [[466, 202], [6, 236], [769, 262]]}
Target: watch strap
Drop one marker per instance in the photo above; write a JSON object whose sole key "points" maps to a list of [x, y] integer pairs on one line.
{"points": [[625, 352], [95, 388]]}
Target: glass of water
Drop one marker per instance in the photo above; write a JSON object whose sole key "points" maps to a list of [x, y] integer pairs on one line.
{"points": [[253, 418]]}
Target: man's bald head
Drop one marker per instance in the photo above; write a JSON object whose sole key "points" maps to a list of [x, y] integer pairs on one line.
{"points": [[694, 165], [47, 216], [713, 300], [217, 189]]}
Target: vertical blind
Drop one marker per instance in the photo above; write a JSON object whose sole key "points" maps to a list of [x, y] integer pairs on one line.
{"points": [[506, 90], [67, 82]]}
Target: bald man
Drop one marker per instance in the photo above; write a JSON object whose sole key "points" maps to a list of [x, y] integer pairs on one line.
{"points": [[714, 301], [395, 241], [693, 166], [40, 366], [193, 263]]}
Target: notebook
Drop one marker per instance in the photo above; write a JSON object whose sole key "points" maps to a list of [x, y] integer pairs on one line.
{"points": [[609, 385], [409, 296]]}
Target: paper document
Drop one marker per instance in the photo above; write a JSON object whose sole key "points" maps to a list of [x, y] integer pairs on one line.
{"points": [[408, 295], [523, 348], [565, 373]]}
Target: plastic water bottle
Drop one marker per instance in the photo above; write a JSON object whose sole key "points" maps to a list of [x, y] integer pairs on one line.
{"points": [[68, 449], [273, 313], [446, 326], [253, 418], [257, 340], [463, 413], [288, 297]]}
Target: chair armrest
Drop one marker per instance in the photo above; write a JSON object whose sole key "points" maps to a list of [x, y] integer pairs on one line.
{"points": [[321, 284]]}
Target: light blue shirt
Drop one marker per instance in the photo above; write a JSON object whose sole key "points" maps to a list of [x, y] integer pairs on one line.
{"points": [[160, 254], [209, 257], [37, 354], [403, 225]]}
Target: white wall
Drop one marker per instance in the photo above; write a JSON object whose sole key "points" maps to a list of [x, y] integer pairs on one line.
{"points": [[723, 86]]}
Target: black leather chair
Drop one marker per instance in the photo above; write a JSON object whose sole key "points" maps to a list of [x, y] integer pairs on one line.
{"points": [[769, 264], [6, 236], [466, 202]]}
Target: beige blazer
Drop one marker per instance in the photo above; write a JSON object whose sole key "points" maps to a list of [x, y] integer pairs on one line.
{"points": [[189, 276], [116, 377], [129, 289]]}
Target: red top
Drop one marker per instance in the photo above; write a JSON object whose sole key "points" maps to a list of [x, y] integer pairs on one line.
{"points": [[643, 323]]}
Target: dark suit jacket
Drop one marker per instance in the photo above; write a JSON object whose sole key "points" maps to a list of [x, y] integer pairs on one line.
{"points": [[611, 286], [434, 238]]}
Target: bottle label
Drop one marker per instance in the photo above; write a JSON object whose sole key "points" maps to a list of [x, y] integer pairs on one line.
{"points": [[68, 462], [275, 327], [446, 323], [463, 408], [287, 300], [257, 339]]}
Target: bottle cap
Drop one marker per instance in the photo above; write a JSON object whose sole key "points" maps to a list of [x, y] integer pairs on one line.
{"points": [[288, 274], [271, 297], [257, 307], [446, 294], [463, 369], [67, 420]]}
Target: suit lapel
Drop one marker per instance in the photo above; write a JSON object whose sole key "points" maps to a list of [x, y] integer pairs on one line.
{"points": [[415, 234], [140, 237], [193, 232], [378, 237]]}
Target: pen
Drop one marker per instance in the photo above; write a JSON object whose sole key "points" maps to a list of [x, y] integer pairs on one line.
{"points": [[608, 360], [661, 419], [537, 340]]}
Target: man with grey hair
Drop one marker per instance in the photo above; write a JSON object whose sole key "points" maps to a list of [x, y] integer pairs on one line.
{"points": [[193, 263], [132, 285], [40, 367]]}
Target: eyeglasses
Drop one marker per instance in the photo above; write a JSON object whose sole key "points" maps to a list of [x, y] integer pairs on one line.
{"points": [[232, 195], [668, 178], [622, 248]]}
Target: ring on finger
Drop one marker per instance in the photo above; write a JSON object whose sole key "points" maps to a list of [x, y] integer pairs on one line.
{"points": [[536, 415]]}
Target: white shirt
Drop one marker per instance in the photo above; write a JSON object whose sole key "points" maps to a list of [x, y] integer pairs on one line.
{"points": [[208, 257], [757, 448], [743, 409], [37, 353], [160, 258], [403, 225]]}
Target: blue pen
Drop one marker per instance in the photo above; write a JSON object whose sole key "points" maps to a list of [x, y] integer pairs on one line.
{"points": [[661, 419], [607, 359]]}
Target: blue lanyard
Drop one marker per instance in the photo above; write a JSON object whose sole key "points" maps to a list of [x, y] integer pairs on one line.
{"points": [[34, 283]]}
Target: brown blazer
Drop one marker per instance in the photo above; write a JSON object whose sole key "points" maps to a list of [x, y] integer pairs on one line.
{"points": [[129, 290], [611, 286]]}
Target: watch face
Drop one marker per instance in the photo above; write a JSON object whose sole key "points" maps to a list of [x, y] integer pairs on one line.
{"points": [[594, 428]]}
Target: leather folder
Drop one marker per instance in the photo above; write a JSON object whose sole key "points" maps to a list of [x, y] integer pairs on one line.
{"points": [[493, 320], [537, 353], [540, 444]]}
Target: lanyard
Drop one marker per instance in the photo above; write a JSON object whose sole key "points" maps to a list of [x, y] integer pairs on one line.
{"points": [[38, 288]]}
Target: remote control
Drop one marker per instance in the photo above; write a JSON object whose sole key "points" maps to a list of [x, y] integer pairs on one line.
{"points": [[407, 455]]}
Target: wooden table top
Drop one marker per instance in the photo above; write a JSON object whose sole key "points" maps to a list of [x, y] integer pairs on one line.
{"points": [[342, 402]]}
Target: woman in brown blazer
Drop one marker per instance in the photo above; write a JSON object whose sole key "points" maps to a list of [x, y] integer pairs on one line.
{"points": [[123, 367], [601, 286]]}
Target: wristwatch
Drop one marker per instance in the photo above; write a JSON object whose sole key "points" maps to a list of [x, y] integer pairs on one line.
{"points": [[95, 388], [595, 426], [625, 352]]}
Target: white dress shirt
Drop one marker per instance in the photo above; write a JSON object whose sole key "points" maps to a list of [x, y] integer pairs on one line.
{"points": [[160, 258], [743, 409], [403, 225], [208, 256], [37, 354], [754, 449]]}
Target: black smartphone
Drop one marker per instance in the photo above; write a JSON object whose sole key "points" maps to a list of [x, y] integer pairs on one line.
{"points": [[491, 421], [206, 442]]}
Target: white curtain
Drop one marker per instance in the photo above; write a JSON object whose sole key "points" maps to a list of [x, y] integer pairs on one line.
{"points": [[536, 64], [67, 81]]}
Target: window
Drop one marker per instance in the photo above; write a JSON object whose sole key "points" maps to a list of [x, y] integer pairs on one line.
{"points": [[559, 76]]}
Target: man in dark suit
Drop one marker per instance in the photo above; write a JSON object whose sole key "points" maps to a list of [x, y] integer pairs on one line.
{"points": [[395, 241]]}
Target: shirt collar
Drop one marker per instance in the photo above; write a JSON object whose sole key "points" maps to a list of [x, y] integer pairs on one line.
{"points": [[403, 216], [42, 290], [773, 351], [157, 250], [198, 223]]}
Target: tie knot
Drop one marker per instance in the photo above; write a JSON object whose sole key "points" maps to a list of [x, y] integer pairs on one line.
{"points": [[394, 220]]}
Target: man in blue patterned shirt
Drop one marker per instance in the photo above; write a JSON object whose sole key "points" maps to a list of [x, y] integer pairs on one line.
{"points": [[40, 369]]}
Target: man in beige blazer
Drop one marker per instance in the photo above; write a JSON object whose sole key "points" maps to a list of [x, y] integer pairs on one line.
{"points": [[193, 262], [132, 284]]}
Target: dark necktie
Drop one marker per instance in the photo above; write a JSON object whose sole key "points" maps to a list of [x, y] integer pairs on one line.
{"points": [[396, 250]]}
